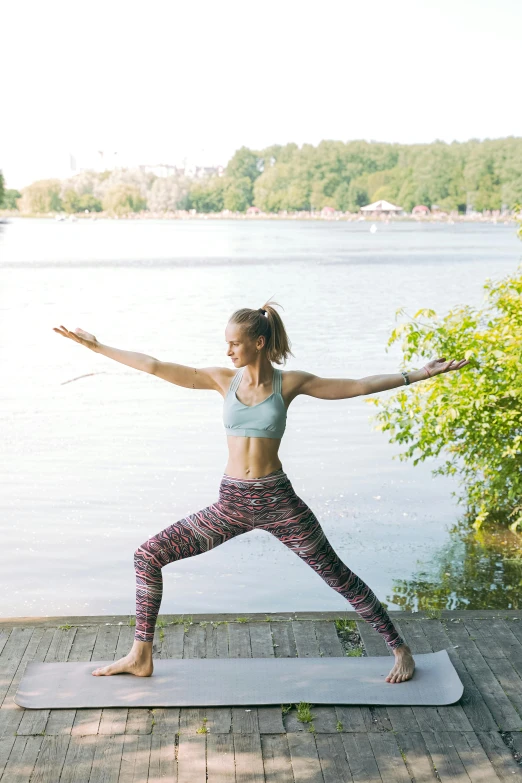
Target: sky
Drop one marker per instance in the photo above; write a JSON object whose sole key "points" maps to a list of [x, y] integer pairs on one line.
{"points": [[167, 82]]}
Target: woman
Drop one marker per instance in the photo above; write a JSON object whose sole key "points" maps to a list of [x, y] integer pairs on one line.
{"points": [[254, 492]]}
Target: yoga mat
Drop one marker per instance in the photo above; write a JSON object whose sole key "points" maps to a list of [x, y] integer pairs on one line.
{"points": [[190, 682]]}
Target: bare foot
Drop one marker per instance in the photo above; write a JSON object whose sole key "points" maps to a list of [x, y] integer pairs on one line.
{"points": [[404, 665], [130, 664]]}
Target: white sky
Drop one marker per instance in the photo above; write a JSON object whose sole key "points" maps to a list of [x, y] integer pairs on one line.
{"points": [[158, 82]]}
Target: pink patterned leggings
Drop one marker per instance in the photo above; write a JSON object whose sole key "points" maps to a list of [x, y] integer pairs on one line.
{"points": [[268, 503]]}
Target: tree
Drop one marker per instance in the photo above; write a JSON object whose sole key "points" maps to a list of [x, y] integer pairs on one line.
{"points": [[244, 163], [11, 197], [167, 194], [71, 201], [475, 414], [41, 196], [123, 199], [89, 203], [207, 196], [2, 188], [357, 194], [237, 194]]}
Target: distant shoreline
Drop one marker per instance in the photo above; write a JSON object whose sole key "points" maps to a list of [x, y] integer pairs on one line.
{"points": [[347, 218]]}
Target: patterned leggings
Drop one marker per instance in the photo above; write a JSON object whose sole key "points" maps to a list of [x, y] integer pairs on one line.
{"points": [[267, 503]]}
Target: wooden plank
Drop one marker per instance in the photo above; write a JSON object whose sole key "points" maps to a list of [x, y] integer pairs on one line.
{"points": [[444, 718], [105, 647], [107, 758], [60, 722], [21, 761], [219, 719], [83, 620], [284, 646], [361, 759], [270, 717], [166, 719], [499, 657], [51, 646], [135, 758], [332, 756], [191, 759], [283, 640], [194, 646], [445, 758], [220, 758], [471, 701], [51, 759], [276, 759], [79, 758], [492, 693], [63, 721], [375, 718], [6, 746], [417, 759], [248, 758], [473, 757], [307, 646], [18, 651], [514, 624], [350, 717], [500, 756], [162, 765], [403, 718], [244, 719], [305, 760], [388, 757], [113, 720]]}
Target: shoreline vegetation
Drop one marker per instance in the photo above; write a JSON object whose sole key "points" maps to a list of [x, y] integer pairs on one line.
{"points": [[454, 217], [473, 180]]}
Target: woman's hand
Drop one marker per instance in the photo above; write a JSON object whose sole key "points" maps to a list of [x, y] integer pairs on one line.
{"points": [[438, 366], [79, 336]]}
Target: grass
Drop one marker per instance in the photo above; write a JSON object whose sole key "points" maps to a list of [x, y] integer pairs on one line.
{"points": [[356, 652], [342, 624], [203, 729]]}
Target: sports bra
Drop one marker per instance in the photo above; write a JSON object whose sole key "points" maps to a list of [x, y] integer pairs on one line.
{"points": [[267, 419]]}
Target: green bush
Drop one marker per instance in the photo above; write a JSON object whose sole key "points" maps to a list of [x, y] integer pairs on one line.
{"points": [[475, 415]]}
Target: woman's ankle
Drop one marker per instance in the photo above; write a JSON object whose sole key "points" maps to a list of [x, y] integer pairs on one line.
{"points": [[142, 649]]}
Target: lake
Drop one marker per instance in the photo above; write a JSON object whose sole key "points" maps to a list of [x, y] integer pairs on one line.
{"points": [[97, 456]]}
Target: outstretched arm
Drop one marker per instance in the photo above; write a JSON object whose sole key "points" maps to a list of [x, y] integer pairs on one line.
{"points": [[342, 388], [377, 383]]}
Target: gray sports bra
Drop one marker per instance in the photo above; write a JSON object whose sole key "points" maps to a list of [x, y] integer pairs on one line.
{"points": [[267, 419]]}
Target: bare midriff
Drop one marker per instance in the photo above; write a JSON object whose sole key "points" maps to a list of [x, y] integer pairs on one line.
{"points": [[251, 458]]}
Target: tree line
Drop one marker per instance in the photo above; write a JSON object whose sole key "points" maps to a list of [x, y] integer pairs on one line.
{"points": [[478, 175]]}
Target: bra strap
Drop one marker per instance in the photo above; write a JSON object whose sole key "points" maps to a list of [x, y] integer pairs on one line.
{"points": [[235, 381], [278, 385]]}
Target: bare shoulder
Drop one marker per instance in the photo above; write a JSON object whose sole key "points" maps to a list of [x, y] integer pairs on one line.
{"points": [[292, 383], [222, 377]]}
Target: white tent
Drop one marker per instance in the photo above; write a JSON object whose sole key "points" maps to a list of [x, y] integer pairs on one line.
{"points": [[381, 206]]}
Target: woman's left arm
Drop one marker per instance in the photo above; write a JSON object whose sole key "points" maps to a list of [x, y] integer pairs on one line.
{"points": [[376, 383]]}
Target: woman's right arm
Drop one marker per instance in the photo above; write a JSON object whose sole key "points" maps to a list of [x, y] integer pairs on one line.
{"points": [[215, 378], [140, 361]]}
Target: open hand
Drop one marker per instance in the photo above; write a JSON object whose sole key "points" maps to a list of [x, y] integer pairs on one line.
{"points": [[79, 336], [438, 366]]}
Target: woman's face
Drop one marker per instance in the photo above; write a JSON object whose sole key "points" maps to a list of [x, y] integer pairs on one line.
{"points": [[240, 349]]}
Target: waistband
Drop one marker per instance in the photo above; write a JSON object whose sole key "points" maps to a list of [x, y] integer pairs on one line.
{"points": [[269, 477]]}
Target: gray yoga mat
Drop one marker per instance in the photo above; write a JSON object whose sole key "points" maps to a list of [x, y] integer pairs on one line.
{"points": [[190, 682]]}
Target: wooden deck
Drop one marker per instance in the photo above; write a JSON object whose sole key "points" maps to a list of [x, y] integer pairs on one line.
{"points": [[479, 739]]}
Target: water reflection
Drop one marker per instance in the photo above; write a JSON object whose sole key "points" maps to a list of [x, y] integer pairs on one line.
{"points": [[474, 570]]}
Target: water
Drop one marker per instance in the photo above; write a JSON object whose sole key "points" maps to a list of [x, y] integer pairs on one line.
{"points": [[97, 456]]}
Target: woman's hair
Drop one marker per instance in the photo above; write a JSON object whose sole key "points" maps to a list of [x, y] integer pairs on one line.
{"points": [[254, 324]]}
